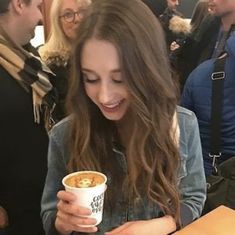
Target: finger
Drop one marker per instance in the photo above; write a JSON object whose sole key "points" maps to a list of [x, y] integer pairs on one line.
{"points": [[81, 221], [66, 196], [76, 220], [72, 208], [72, 223], [87, 230]]}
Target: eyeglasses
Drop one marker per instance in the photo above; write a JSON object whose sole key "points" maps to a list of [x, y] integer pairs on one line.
{"points": [[69, 16]]}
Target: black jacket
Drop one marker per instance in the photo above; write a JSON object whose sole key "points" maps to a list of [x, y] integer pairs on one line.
{"points": [[197, 48], [60, 83], [23, 158]]}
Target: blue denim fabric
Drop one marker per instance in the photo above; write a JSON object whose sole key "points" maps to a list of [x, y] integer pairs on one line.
{"points": [[192, 184]]}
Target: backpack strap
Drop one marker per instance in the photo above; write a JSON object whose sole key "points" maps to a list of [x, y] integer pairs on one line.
{"points": [[217, 77]]}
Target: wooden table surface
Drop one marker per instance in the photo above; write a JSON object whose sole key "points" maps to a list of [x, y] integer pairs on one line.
{"points": [[220, 221]]}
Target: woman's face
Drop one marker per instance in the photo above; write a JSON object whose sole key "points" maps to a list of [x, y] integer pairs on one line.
{"points": [[103, 79], [70, 17]]}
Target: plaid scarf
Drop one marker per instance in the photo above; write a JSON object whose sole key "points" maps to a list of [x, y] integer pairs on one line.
{"points": [[29, 71]]}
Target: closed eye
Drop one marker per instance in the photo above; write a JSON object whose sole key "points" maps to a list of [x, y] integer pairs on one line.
{"points": [[117, 77], [90, 79], [117, 81]]}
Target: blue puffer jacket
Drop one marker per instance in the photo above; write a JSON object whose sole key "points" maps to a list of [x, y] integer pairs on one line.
{"points": [[197, 97]]}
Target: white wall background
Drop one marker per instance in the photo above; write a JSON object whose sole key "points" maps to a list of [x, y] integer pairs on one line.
{"points": [[39, 36]]}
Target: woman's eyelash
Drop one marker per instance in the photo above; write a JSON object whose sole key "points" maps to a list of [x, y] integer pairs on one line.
{"points": [[117, 81], [89, 80], [86, 79], [94, 79]]}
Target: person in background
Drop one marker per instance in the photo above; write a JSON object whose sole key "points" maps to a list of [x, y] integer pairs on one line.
{"points": [[199, 16], [208, 41], [225, 9], [200, 11], [26, 101], [197, 97], [125, 123], [173, 22], [172, 4], [65, 16], [175, 27], [156, 6]]}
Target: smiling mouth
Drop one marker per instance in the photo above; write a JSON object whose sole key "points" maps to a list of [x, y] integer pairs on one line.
{"points": [[112, 107]]}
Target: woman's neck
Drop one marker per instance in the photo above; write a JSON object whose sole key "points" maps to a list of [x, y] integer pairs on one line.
{"points": [[124, 128]]}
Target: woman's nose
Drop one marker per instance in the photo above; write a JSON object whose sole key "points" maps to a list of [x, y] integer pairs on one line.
{"points": [[76, 18], [105, 93]]}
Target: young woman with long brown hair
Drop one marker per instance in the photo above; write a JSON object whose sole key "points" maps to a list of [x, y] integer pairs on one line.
{"points": [[125, 123]]}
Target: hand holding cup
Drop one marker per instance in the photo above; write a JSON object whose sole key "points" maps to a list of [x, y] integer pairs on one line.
{"points": [[72, 217], [88, 188]]}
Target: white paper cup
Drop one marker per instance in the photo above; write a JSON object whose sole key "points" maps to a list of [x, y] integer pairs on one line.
{"points": [[89, 197]]}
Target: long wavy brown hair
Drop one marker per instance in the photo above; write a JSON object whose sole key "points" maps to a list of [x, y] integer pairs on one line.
{"points": [[152, 155]]}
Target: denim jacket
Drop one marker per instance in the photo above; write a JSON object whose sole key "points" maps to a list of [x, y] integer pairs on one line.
{"points": [[192, 184]]}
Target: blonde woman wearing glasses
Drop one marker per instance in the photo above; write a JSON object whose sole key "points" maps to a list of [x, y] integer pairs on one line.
{"points": [[65, 17]]}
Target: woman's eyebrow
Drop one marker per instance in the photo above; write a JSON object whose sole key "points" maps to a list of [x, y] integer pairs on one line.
{"points": [[91, 71]]}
